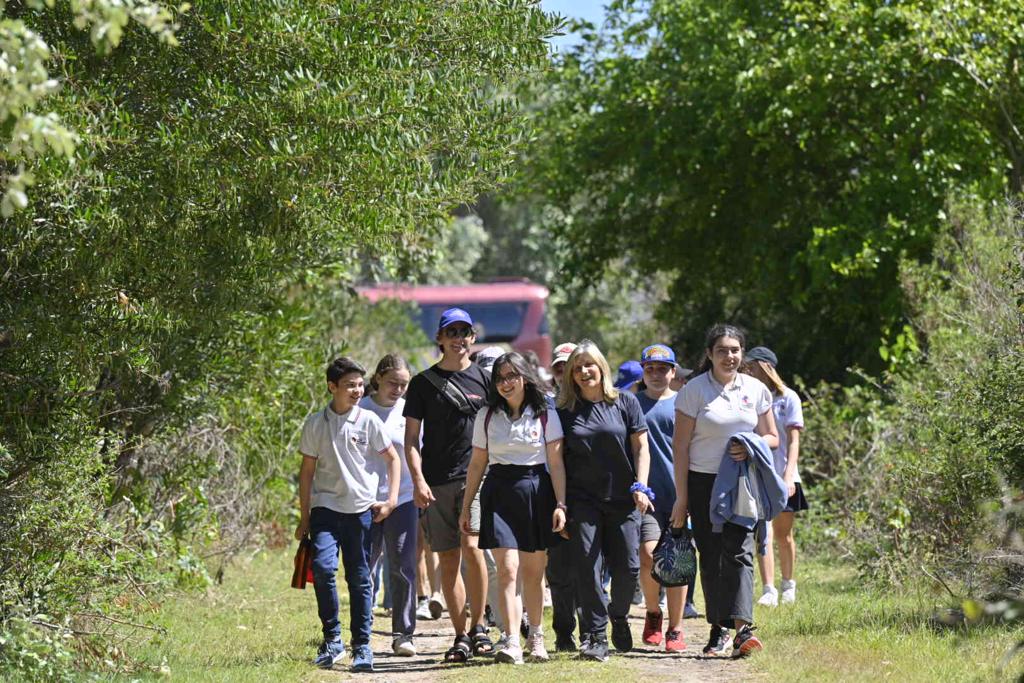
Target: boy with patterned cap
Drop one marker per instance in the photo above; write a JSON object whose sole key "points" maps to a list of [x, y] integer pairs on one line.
{"points": [[657, 401]]}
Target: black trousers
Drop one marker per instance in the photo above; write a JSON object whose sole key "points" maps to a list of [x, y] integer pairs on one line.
{"points": [[726, 559], [604, 535], [561, 575]]}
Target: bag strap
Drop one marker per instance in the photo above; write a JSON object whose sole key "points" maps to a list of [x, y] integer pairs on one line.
{"points": [[487, 424], [450, 391]]}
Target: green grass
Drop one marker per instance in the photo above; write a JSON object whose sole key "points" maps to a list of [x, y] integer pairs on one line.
{"points": [[841, 629], [255, 627]]}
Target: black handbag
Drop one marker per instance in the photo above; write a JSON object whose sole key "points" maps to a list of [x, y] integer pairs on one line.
{"points": [[675, 558]]}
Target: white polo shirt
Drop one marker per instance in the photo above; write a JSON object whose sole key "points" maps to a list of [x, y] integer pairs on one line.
{"points": [[515, 442], [720, 412], [343, 446]]}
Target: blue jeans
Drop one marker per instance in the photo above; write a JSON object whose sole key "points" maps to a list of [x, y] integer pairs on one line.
{"points": [[332, 532]]}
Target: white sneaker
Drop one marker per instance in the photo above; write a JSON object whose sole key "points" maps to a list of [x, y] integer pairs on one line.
{"points": [[788, 591], [403, 646], [502, 643], [423, 610], [770, 597], [513, 654], [535, 647]]}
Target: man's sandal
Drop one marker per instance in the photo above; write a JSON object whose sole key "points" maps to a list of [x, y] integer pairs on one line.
{"points": [[460, 651], [482, 644]]}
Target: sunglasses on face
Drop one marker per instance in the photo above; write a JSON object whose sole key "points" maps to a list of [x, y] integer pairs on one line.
{"points": [[458, 332]]}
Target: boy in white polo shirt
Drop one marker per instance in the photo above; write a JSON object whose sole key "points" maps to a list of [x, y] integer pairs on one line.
{"points": [[338, 502]]}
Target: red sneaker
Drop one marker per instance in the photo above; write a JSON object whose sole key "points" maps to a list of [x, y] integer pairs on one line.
{"points": [[674, 641], [652, 629]]}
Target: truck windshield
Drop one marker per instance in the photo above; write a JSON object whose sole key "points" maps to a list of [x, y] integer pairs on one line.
{"points": [[495, 322]]}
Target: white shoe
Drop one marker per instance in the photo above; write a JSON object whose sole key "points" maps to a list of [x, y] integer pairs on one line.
{"points": [[535, 649], [547, 596], [423, 610], [403, 646], [769, 598], [502, 643], [513, 654], [788, 592]]}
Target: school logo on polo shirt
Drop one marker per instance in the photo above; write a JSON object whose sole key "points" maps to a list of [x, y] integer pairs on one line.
{"points": [[359, 438], [747, 403]]}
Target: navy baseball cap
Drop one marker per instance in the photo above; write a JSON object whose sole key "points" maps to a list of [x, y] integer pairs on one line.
{"points": [[762, 353], [452, 316], [658, 353], [630, 373]]}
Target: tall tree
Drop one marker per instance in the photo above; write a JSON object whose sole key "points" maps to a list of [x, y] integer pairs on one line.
{"points": [[277, 140], [779, 158]]}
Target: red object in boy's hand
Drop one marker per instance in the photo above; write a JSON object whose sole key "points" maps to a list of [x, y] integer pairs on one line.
{"points": [[303, 571]]}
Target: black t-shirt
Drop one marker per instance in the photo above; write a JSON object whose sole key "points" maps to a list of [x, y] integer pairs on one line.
{"points": [[599, 462], [447, 432]]}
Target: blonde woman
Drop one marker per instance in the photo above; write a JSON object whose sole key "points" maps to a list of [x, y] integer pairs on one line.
{"points": [[760, 363], [606, 466]]}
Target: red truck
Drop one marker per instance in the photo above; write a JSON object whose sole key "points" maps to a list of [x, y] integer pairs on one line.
{"points": [[505, 312]]}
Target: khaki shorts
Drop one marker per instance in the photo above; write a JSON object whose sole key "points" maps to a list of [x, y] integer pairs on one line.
{"points": [[441, 519]]}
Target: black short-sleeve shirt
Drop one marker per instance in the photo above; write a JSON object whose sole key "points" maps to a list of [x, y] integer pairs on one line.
{"points": [[599, 462], [447, 432]]}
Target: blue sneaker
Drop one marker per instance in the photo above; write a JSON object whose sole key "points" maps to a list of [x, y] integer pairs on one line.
{"points": [[362, 659], [330, 652]]}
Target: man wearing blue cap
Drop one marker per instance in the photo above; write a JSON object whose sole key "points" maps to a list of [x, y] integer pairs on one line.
{"points": [[444, 399]]}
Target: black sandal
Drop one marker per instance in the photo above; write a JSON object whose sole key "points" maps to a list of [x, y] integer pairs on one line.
{"points": [[482, 644], [460, 651]]}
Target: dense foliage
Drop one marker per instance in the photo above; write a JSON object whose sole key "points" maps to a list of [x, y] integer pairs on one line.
{"points": [[168, 300], [926, 468], [779, 159]]}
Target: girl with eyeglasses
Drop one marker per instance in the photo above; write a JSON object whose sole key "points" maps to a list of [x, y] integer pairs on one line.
{"points": [[519, 439]]}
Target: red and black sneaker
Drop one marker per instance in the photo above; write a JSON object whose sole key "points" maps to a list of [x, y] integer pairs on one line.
{"points": [[674, 641], [652, 629], [745, 642]]}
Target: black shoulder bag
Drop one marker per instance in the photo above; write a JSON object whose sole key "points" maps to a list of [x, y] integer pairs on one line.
{"points": [[450, 391]]}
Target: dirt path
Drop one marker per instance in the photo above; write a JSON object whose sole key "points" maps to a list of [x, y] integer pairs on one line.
{"points": [[642, 663]]}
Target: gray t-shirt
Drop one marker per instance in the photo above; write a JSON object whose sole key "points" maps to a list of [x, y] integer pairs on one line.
{"points": [[344, 447], [515, 442], [394, 425], [720, 413]]}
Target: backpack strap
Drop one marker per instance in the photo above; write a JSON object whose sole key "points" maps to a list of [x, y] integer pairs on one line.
{"points": [[450, 391], [487, 424]]}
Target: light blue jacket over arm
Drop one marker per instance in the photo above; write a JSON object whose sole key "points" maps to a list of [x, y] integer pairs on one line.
{"points": [[749, 493]]}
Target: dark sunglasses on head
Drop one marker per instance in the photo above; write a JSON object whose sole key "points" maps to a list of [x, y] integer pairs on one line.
{"points": [[457, 332]]}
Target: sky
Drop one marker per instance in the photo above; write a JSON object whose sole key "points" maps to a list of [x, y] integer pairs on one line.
{"points": [[589, 10]]}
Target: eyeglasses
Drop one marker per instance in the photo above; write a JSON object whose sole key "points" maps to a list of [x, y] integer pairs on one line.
{"points": [[458, 332], [508, 377]]}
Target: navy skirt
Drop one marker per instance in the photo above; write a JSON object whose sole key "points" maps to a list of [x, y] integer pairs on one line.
{"points": [[516, 504], [797, 502]]}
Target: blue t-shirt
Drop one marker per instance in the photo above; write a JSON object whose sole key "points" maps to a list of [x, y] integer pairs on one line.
{"points": [[660, 417]]}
